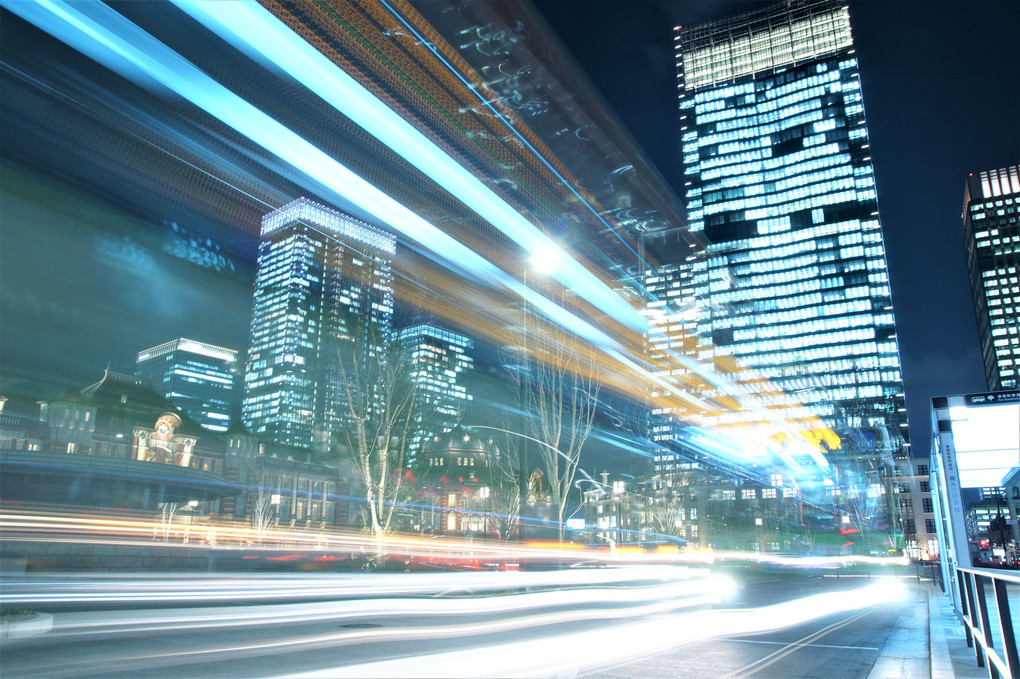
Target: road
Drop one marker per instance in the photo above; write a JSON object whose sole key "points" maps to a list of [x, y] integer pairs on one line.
{"points": [[843, 645], [624, 622]]}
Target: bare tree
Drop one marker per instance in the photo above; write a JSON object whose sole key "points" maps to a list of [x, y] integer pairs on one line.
{"points": [[167, 512], [505, 498], [559, 379], [262, 507], [378, 415]]}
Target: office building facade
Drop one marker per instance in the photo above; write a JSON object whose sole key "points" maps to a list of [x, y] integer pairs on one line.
{"points": [[199, 378], [991, 225], [792, 283], [317, 268], [439, 363]]}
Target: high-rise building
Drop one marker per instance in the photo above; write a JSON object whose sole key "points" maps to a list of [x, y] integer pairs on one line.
{"points": [[317, 267], [791, 288], [991, 225], [439, 359], [201, 379]]}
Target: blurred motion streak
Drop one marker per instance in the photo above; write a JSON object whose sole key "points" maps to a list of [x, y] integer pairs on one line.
{"points": [[377, 595], [565, 654], [481, 283], [409, 552]]}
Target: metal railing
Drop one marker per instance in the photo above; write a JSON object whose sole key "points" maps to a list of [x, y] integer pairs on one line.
{"points": [[973, 583]]}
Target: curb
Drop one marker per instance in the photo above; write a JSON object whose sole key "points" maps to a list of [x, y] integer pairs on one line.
{"points": [[941, 661], [40, 623]]}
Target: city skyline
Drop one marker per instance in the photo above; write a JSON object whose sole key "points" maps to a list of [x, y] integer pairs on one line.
{"points": [[926, 137], [243, 272], [529, 309]]}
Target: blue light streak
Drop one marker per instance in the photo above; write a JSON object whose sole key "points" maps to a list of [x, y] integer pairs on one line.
{"points": [[106, 36], [254, 29]]}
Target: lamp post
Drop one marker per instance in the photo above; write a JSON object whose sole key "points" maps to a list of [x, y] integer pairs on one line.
{"points": [[543, 259]]}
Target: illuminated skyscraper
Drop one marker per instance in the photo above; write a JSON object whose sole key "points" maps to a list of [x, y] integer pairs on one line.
{"points": [[439, 361], [316, 266], [200, 379], [991, 224], [792, 284]]}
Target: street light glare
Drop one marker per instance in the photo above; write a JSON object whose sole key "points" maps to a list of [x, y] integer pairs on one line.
{"points": [[545, 259]]}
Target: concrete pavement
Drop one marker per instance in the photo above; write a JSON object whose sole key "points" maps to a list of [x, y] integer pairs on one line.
{"points": [[950, 657], [947, 655]]}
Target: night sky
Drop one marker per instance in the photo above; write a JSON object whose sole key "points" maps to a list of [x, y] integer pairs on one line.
{"points": [[941, 84]]}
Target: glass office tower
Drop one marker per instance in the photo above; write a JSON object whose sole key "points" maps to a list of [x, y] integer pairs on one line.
{"points": [[316, 266], [198, 378], [792, 285], [991, 224], [439, 363]]}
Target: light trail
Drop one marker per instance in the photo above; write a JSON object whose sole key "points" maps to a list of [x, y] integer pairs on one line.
{"points": [[566, 654], [95, 589], [380, 596], [109, 38], [326, 545], [587, 626], [256, 32], [227, 633], [112, 40]]}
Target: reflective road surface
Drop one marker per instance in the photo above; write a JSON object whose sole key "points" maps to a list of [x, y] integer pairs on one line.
{"points": [[654, 621]]}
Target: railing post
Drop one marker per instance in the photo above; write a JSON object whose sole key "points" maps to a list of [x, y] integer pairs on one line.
{"points": [[986, 628], [973, 617], [964, 606], [1006, 623]]}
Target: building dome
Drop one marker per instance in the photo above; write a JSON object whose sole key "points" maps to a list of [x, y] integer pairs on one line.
{"points": [[462, 455], [463, 440]]}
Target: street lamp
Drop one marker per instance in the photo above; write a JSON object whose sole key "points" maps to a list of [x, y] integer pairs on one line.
{"points": [[543, 260]]}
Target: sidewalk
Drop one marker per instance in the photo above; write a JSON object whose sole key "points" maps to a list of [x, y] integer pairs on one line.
{"points": [[927, 641], [950, 656]]}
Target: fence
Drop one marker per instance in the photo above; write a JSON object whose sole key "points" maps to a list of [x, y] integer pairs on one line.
{"points": [[977, 624]]}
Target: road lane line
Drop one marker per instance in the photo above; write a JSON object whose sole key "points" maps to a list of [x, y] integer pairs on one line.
{"points": [[783, 643]]}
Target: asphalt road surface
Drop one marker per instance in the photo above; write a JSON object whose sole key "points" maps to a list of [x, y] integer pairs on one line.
{"points": [[843, 645], [767, 625]]}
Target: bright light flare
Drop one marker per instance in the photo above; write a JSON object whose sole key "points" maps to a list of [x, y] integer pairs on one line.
{"points": [[566, 654]]}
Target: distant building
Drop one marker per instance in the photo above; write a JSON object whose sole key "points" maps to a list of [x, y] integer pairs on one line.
{"points": [[200, 379], [793, 283], [702, 508], [1012, 486], [119, 444], [788, 295], [439, 362], [316, 268], [991, 226], [464, 487], [913, 489]]}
